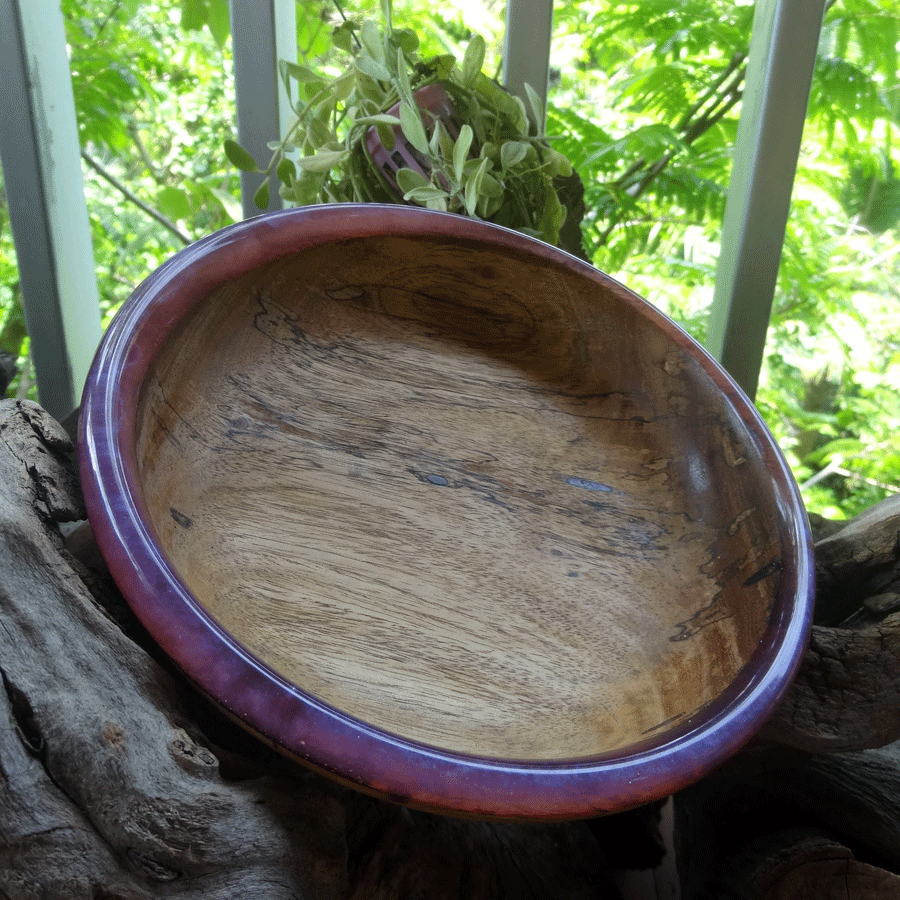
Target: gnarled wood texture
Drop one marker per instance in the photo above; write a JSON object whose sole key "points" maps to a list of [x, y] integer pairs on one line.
{"points": [[845, 696]]}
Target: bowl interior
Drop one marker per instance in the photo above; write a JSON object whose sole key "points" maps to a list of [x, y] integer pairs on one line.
{"points": [[474, 497]]}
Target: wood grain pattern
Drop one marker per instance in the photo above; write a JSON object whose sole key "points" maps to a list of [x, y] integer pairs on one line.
{"points": [[462, 496]]}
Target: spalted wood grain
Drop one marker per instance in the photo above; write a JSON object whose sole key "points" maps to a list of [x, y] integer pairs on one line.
{"points": [[111, 788], [460, 495]]}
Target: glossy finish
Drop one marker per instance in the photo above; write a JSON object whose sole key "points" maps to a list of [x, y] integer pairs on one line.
{"points": [[445, 513]]}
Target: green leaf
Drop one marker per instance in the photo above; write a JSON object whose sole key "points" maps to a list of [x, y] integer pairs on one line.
{"points": [[552, 217], [303, 74], [520, 117], [882, 211], [229, 203], [473, 60], [370, 37], [318, 134], [559, 164], [286, 170], [537, 108], [461, 151], [387, 136], [413, 129], [239, 157], [173, 203], [342, 37], [219, 21], [193, 14], [512, 153], [425, 194], [386, 15], [342, 88], [442, 65], [434, 144], [490, 187], [372, 68], [444, 141], [406, 39], [379, 119], [403, 84], [473, 186], [321, 162], [489, 151], [470, 167], [410, 180], [261, 197], [840, 448]]}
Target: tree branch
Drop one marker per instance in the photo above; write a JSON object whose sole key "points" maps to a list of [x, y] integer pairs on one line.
{"points": [[133, 198], [718, 99]]}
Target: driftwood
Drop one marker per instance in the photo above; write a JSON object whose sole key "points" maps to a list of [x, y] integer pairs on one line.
{"points": [[846, 694], [118, 781]]}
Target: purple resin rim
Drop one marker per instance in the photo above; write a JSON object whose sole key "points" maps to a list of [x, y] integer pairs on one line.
{"points": [[297, 722]]}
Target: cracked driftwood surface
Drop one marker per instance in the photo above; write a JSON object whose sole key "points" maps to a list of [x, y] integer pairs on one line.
{"points": [[847, 694], [118, 781]]}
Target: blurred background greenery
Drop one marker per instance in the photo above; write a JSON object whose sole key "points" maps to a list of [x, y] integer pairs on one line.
{"points": [[644, 100]]}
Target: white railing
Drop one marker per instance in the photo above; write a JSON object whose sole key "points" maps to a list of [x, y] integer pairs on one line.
{"points": [[45, 189]]}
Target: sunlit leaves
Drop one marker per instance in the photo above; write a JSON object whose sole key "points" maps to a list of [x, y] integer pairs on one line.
{"points": [[218, 21], [411, 123], [461, 151], [374, 98], [193, 14], [473, 60]]}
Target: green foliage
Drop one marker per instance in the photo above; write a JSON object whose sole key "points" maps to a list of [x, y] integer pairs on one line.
{"points": [[159, 132], [152, 106], [472, 149]]}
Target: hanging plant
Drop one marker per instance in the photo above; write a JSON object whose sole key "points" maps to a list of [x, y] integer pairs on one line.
{"points": [[393, 127]]}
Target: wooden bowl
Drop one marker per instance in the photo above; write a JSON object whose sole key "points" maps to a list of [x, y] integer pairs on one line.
{"points": [[445, 513]]}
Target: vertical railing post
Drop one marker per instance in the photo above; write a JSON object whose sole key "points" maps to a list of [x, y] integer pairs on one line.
{"points": [[262, 32], [781, 61], [40, 151], [526, 48]]}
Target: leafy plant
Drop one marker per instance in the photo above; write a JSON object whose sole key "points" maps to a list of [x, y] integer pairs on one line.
{"points": [[468, 148]]}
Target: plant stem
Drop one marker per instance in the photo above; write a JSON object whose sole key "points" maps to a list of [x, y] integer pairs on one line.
{"points": [[133, 198]]}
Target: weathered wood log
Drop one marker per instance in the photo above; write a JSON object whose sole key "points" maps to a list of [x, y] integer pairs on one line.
{"points": [[793, 779], [740, 827], [110, 789], [801, 864], [847, 693], [106, 789]]}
